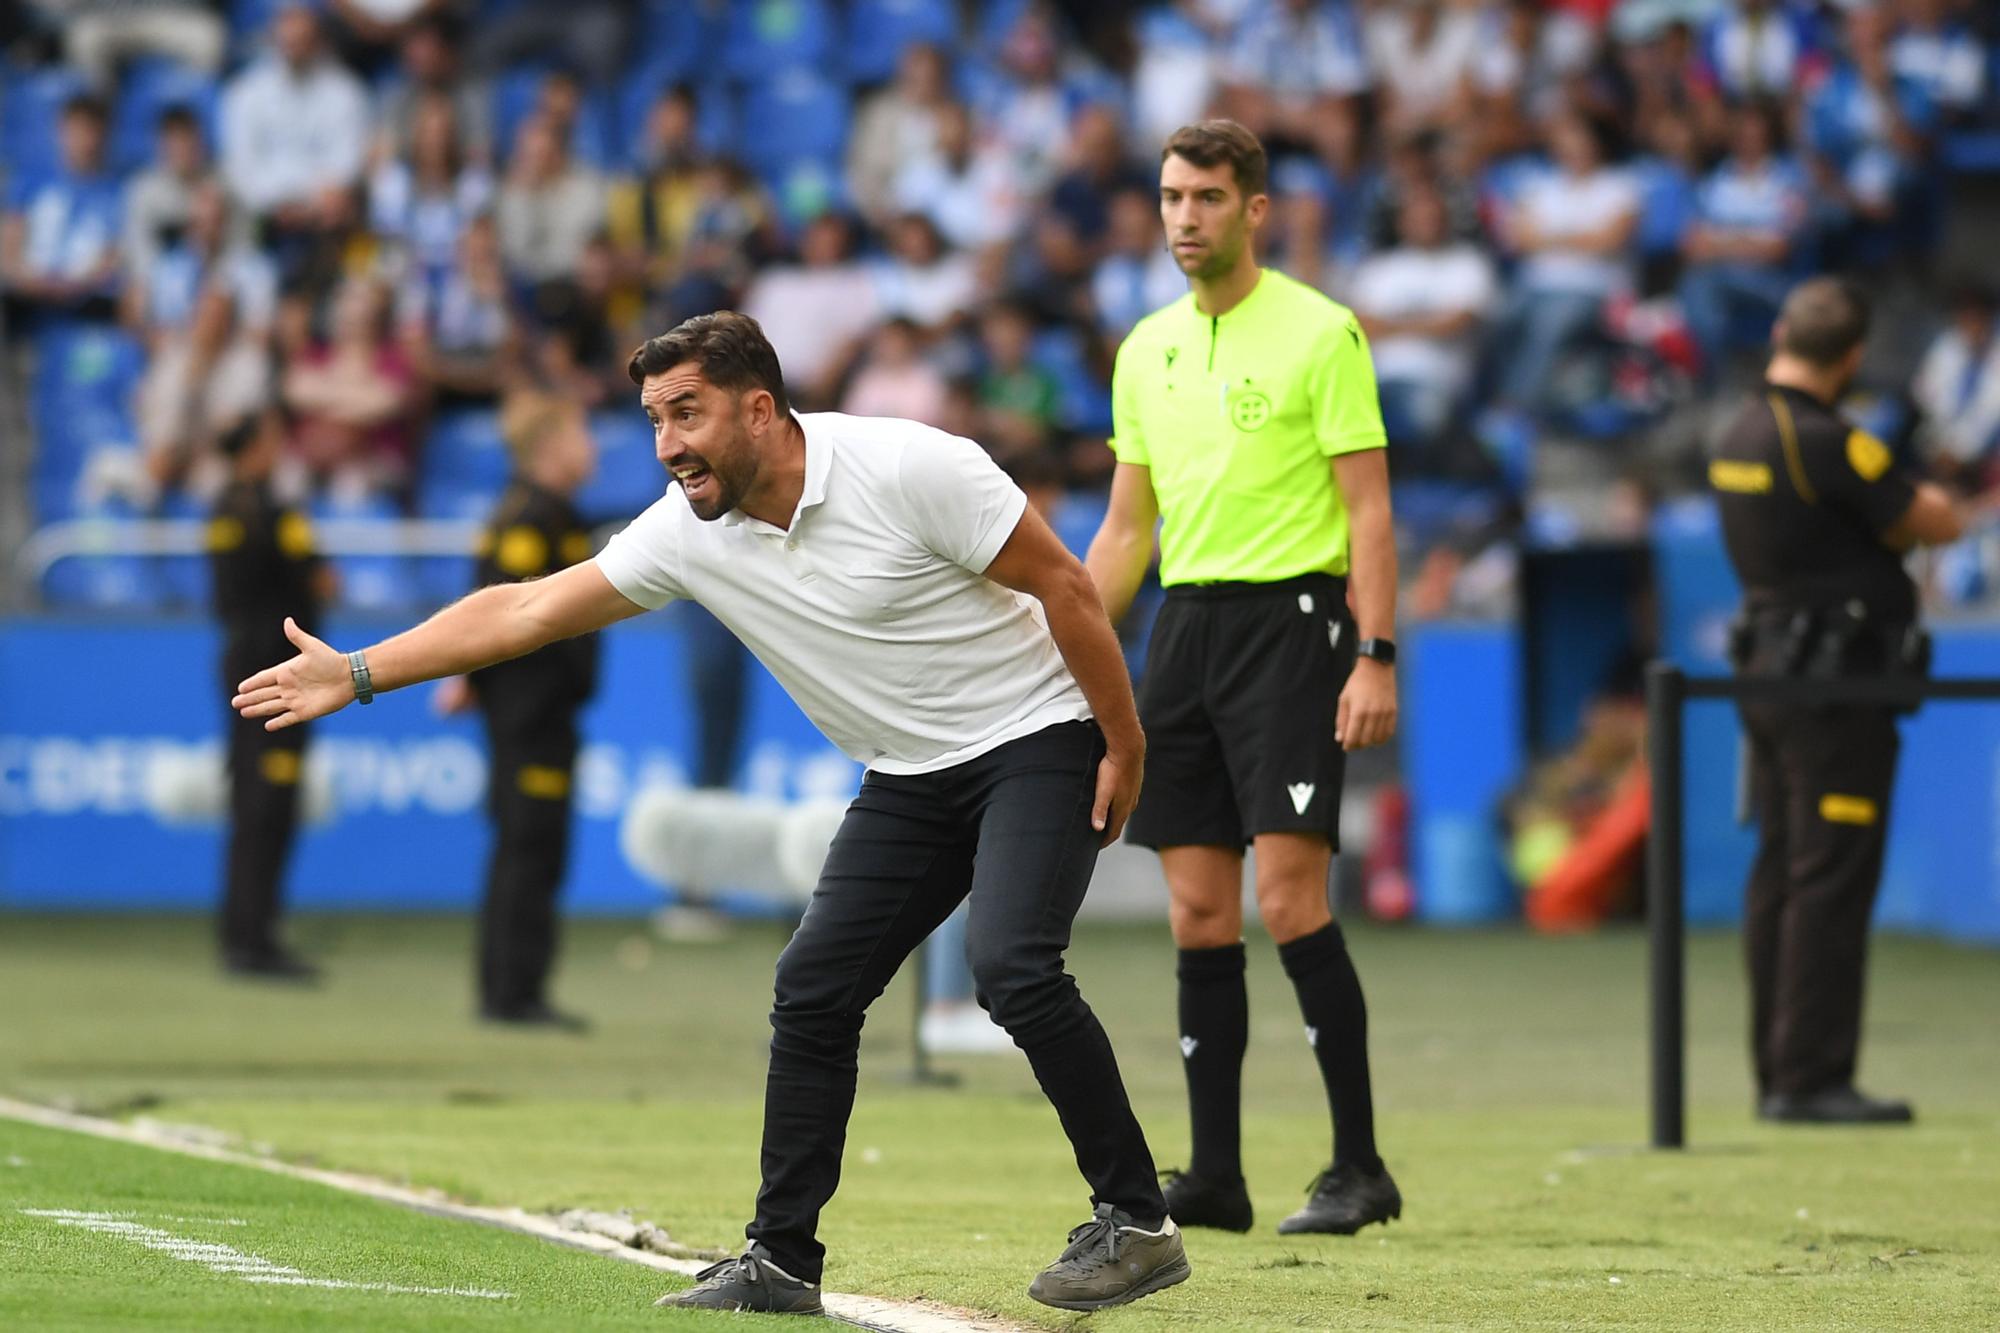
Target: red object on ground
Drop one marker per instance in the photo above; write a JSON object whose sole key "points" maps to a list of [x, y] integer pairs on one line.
{"points": [[1580, 890], [1386, 869]]}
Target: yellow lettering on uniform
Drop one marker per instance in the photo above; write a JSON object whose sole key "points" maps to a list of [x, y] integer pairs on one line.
{"points": [[1868, 456], [575, 547], [225, 533], [542, 782], [522, 551], [295, 535], [1738, 477], [279, 767], [1835, 808]]}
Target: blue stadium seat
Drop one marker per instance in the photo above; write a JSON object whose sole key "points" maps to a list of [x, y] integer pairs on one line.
{"points": [[248, 20], [384, 583], [184, 579], [104, 582], [629, 476], [444, 578], [596, 141], [29, 112], [805, 187], [764, 37], [1077, 517], [149, 88], [465, 452], [1086, 401], [81, 396], [795, 114], [674, 39], [879, 30], [996, 20]]}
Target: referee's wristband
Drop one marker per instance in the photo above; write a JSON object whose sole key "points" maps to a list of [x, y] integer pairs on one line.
{"points": [[364, 687]]}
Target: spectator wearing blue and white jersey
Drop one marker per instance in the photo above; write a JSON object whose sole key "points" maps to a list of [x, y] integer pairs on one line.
{"points": [[159, 199], [1867, 125], [1957, 388], [1742, 249], [1760, 48], [295, 137], [162, 299], [1573, 229], [420, 205], [1137, 275], [460, 328], [1935, 49], [967, 188], [59, 233], [1290, 57]]}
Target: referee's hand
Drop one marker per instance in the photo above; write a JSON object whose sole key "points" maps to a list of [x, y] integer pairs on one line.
{"points": [[1117, 792], [313, 684], [1367, 713]]}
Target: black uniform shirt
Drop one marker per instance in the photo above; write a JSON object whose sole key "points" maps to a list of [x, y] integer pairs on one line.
{"points": [[1805, 498], [533, 533], [263, 564]]}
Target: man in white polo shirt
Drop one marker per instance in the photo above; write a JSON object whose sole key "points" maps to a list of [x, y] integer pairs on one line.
{"points": [[886, 573]]}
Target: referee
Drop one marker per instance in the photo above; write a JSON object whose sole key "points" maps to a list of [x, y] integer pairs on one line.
{"points": [[1246, 419], [1817, 517]]}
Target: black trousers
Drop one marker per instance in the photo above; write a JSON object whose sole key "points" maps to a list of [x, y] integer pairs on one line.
{"points": [[533, 758], [265, 769], [1012, 828], [1820, 793]]}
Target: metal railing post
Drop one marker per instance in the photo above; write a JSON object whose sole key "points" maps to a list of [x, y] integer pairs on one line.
{"points": [[1666, 695]]}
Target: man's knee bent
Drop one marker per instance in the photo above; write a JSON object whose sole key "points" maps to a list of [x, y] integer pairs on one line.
{"points": [[1205, 889], [1292, 885]]}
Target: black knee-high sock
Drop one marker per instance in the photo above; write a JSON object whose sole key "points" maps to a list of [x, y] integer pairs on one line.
{"points": [[1337, 1029], [1215, 1030]]}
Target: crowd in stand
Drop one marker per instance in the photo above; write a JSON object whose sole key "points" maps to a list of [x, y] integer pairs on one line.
{"points": [[1551, 215]]}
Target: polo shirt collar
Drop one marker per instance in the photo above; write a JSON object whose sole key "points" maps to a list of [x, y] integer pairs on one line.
{"points": [[819, 462]]}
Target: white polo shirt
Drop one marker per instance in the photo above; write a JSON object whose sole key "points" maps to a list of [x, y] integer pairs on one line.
{"points": [[873, 610]]}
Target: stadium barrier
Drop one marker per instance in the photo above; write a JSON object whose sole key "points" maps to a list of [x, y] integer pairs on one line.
{"points": [[1668, 691]]}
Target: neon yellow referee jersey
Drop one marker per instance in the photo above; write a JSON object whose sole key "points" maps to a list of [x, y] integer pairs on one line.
{"points": [[1237, 415]]}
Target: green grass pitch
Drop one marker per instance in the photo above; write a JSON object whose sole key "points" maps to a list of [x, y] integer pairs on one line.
{"points": [[1509, 1073]]}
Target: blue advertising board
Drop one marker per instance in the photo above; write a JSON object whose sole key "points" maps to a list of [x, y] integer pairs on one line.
{"points": [[93, 714]]}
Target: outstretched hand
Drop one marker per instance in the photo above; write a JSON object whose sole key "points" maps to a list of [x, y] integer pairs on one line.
{"points": [[313, 684]]}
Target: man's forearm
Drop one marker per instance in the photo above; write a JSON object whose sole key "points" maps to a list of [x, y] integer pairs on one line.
{"points": [[1117, 565], [491, 625], [1083, 635], [1372, 574]]}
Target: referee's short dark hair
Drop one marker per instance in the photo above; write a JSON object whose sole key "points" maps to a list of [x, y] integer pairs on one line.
{"points": [[1822, 320], [730, 348], [1207, 143]]}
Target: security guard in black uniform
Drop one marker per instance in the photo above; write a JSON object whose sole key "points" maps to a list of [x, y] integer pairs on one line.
{"points": [[264, 568], [1816, 516], [530, 706]]}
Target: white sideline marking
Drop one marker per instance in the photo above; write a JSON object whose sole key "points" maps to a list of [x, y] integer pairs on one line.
{"points": [[229, 1262], [890, 1316]]}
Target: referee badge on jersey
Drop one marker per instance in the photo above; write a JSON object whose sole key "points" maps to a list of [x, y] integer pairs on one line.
{"points": [[1249, 410]]}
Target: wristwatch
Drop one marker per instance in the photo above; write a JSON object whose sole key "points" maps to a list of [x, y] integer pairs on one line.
{"points": [[364, 688], [1380, 650]]}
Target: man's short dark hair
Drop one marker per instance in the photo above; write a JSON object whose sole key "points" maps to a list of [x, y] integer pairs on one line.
{"points": [[1208, 143], [178, 116], [88, 104], [730, 348], [1822, 320]]}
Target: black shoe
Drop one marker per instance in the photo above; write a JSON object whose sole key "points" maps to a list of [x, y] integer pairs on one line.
{"points": [[1109, 1261], [534, 1014], [1345, 1199], [1196, 1201], [269, 965], [1844, 1105], [749, 1282]]}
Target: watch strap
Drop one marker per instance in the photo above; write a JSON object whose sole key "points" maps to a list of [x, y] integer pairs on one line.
{"points": [[364, 686]]}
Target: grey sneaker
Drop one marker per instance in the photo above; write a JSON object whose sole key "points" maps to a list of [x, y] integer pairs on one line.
{"points": [[1110, 1262], [1345, 1199], [749, 1282]]}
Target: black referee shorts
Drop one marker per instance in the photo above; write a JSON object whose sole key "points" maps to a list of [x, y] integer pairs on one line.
{"points": [[1242, 688]]}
